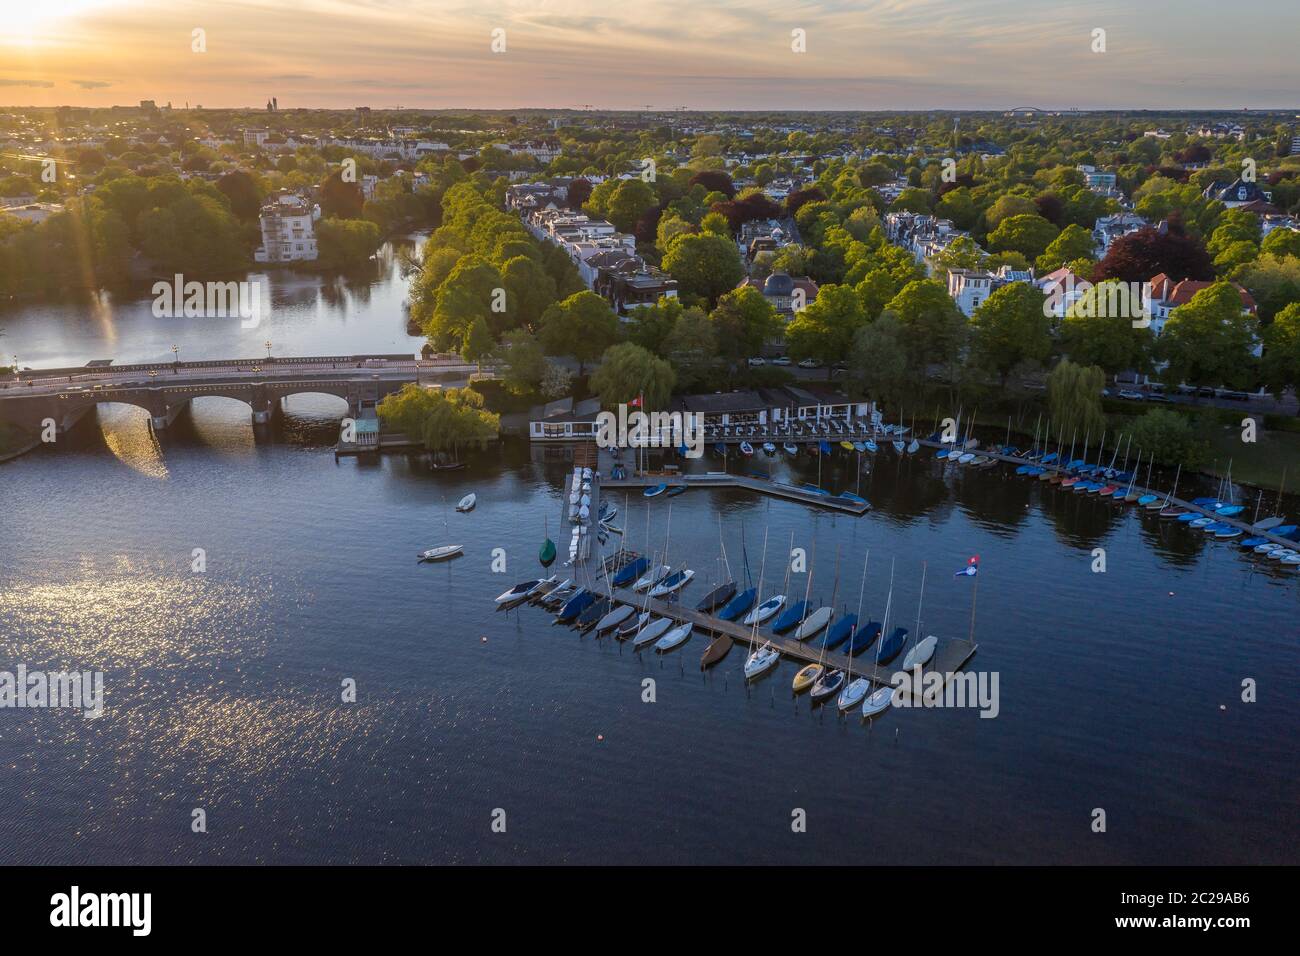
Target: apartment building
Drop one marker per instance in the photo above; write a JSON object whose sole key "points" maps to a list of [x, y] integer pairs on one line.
{"points": [[288, 229]]}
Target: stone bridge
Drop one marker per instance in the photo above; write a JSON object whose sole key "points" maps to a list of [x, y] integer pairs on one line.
{"points": [[164, 389]]}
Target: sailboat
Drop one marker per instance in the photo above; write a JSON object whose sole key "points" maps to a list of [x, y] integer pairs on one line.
{"points": [[546, 554], [880, 699], [522, 590], [829, 683], [922, 650], [445, 551], [804, 677], [743, 601], [762, 659], [774, 603], [725, 590], [855, 690]]}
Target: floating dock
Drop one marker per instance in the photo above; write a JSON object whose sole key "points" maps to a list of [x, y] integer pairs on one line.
{"points": [[716, 479]]}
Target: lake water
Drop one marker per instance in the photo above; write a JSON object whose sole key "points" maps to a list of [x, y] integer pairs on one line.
{"points": [[1118, 690]]}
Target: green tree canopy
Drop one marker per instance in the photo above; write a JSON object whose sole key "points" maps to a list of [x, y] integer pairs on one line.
{"points": [[824, 330], [933, 327], [1209, 340], [1029, 235], [1012, 328], [1098, 330], [628, 371], [744, 321], [705, 265], [1074, 396], [583, 325], [441, 419]]}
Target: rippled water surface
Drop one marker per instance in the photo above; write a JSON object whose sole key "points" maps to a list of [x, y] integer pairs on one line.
{"points": [[1119, 691]]}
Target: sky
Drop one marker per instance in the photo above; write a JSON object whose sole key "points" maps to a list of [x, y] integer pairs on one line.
{"points": [[657, 54]]}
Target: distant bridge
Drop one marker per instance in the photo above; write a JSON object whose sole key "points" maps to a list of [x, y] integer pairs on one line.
{"points": [[164, 389]]}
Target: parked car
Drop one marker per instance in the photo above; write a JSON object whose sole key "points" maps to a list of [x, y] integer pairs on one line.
{"points": [[1131, 395], [1235, 395], [781, 360], [755, 362], [810, 363], [1157, 397]]}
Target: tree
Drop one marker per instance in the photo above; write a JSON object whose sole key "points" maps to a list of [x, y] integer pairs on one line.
{"points": [[932, 325], [465, 295], [441, 419], [961, 253], [1011, 327], [717, 224], [557, 382], [630, 200], [1073, 243], [878, 360], [583, 325], [529, 290], [744, 322], [1209, 340], [704, 265], [1281, 242], [1074, 396], [1281, 364], [692, 348], [1141, 256], [341, 199], [714, 181], [577, 194], [342, 243], [525, 362], [1168, 438], [1098, 330], [1274, 281], [824, 330], [628, 372], [242, 190], [1027, 234], [1006, 207]]}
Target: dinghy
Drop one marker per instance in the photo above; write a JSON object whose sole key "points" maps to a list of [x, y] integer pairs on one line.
{"points": [[839, 632], [738, 605], [593, 613], [853, 693], [806, 677], [674, 582], [519, 591], [769, 448], [632, 625], [764, 610], [863, 638], [790, 449], [790, 617], [629, 571], [878, 702], [747, 449], [441, 553], [827, 686], [651, 577], [652, 631], [467, 503], [914, 447], [614, 618], [717, 597], [813, 623], [891, 645], [920, 653], [658, 489], [718, 648], [674, 638], [580, 601]]}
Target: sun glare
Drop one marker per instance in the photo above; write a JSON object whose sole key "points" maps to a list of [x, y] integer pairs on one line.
{"points": [[26, 21]]}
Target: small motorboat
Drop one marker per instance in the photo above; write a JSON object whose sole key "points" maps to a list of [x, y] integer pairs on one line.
{"points": [[747, 449], [441, 553], [847, 445], [674, 638], [1227, 532], [871, 446], [790, 449], [761, 661], [764, 610], [856, 499], [467, 503], [965, 458], [674, 582], [769, 448], [914, 447], [655, 491], [899, 447]]}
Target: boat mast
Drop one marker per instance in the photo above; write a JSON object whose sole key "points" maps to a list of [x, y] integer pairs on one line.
{"points": [[857, 625], [919, 601], [889, 603], [753, 631]]}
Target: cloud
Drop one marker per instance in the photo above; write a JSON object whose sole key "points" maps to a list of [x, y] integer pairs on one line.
{"points": [[91, 84], [41, 84]]}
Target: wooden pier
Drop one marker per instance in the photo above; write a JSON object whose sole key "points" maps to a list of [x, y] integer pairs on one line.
{"points": [[762, 485], [950, 655]]}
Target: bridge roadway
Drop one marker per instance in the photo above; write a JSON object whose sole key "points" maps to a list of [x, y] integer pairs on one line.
{"points": [[165, 388]]}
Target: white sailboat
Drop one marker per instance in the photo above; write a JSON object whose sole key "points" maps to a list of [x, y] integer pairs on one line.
{"points": [[880, 699], [762, 659], [855, 690]]}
